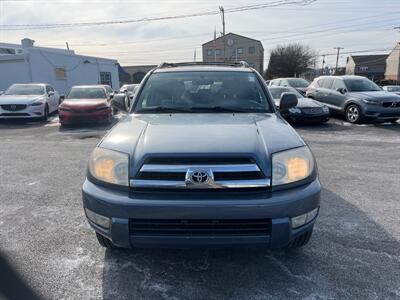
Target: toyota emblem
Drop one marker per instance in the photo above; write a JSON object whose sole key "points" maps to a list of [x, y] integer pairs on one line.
{"points": [[199, 177]]}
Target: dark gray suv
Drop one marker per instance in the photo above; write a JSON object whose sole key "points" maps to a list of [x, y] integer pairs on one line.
{"points": [[357, 97], [202, 158]]}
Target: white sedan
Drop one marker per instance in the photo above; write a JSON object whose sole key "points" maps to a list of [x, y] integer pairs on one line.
{"points": [[29, 100]]}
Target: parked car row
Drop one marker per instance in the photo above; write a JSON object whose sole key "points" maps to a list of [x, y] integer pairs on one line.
{"points": [[84, 103], [357, 98]]}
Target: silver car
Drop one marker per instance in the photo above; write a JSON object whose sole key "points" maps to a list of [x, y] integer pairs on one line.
{"points": [[37, 100]]}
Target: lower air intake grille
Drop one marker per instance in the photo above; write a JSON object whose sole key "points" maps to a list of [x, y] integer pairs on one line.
{"points": [[199, 227]]}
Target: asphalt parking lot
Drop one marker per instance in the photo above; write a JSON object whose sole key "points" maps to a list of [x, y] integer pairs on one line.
{"points": [[354, 252]]}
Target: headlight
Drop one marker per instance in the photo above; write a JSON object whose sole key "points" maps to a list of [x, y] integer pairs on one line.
{"points": [[372, 102], [291, 165], [36, 103], [295, 110], [325, 109], [109, 166]]}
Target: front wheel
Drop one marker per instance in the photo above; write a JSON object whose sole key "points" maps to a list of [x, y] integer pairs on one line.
{"points": [[353, 114], [46, 113], [104, 242], [299, 241]]}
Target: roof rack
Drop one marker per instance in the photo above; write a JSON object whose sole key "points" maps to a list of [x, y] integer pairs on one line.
{"points": [[242, 64]]}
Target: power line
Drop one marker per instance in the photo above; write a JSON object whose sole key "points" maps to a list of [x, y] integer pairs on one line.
{"points": [[151, 19]]}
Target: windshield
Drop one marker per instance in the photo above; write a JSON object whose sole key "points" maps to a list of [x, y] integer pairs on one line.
{"points": [[277, 92], [87, 93], [203, 90], [393, 88], [25, 89], [298, 82], [361, 85]]}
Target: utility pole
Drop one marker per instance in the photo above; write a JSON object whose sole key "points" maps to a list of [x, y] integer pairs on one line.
{"points": [[398, 49], [221, 9], [323, 64], [337, 57], [66, 43]]}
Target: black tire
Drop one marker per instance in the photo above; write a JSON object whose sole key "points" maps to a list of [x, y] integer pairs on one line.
{"points": [[104, 242], [299, 241], [46, 113], [353, 114], [393, 120]]}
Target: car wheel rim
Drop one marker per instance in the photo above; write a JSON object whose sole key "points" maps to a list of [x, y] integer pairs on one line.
{"points": [[352, 114]]}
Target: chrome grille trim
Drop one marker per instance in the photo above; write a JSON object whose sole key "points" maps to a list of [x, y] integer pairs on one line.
{"points": [[214, 168], [253, 183], [219, 176]]}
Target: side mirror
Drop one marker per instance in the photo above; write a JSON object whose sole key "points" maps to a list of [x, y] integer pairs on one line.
{"points": [[341, 90], [112, 95], [51, 93], [288, 100], [119, 102], [62, 98]]}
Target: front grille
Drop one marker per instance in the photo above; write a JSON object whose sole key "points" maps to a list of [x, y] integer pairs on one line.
{"points": [[391, 104], [192, 227], [13, 107], [81, 111], [218, 173], [192, 160], [312, 111]]}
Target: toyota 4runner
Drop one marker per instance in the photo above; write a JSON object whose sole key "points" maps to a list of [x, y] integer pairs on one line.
{"points": [[202, 159]]}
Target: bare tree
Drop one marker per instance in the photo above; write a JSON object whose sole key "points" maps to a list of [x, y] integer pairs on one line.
{"points": [[290, 60]]}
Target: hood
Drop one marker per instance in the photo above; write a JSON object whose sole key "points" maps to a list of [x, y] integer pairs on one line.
{"points": [[19, 99], [83, 103], [377, 95], [307, 102], [251, 135]]}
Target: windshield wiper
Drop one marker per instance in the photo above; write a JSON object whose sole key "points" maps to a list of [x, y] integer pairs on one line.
{"points": [[225, 109], [164, 109]]}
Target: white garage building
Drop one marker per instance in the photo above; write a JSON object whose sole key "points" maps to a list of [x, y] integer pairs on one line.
{"points": [[60, 68]]}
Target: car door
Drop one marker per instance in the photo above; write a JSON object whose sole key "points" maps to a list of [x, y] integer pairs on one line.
{"points": [[324, 90], [337, 93]]}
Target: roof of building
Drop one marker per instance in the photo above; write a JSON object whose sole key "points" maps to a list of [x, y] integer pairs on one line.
{"points": [[375, 59], [230, 34]]}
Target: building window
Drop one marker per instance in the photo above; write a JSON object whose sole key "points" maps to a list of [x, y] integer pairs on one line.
{"points": [[7, 51], [60, 73], [209, 52], [239, 50], [105, 78], [217, 51], [252, 50]]}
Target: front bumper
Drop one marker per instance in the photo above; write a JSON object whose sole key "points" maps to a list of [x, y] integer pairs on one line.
{"points": [[278, 206], [67, 117], [381, 113], [27, 112]]}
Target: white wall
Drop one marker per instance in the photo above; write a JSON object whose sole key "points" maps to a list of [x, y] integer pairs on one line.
{"points": [[79, 70], [13, 71]]}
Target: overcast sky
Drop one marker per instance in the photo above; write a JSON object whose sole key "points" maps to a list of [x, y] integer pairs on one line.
{"points": [[324, 24]]}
